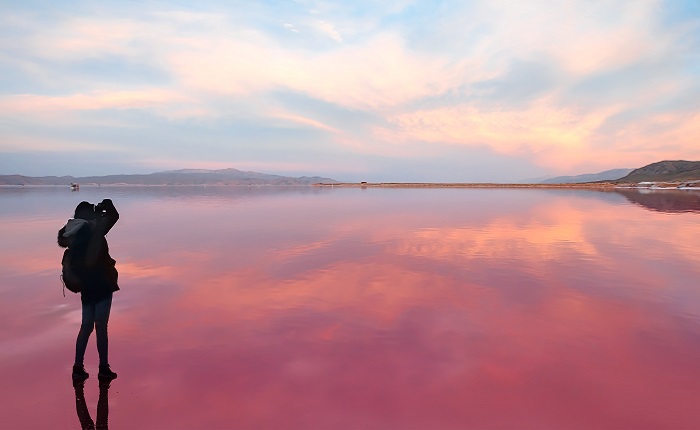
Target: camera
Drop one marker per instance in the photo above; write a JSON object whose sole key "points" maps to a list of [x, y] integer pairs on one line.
{"points": [[100, 208]]}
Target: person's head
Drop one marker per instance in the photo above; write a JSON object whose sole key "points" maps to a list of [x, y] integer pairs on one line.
{"points": [[85, 210]]}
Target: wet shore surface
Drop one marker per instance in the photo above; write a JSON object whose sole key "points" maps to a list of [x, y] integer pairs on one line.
{"points": [[372, 309]]}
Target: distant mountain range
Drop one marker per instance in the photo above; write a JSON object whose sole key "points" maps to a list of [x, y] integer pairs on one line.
{"points": [[608, 175], [662, 171], [173, 177]]}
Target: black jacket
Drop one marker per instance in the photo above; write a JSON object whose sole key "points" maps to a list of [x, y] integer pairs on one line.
{"points": [[86, 238]]}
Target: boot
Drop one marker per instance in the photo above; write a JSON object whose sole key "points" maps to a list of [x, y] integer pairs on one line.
{"points": [[106, 373], [79, 373]]}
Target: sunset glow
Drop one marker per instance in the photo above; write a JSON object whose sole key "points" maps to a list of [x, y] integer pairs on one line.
{"points": [[398, 90]]}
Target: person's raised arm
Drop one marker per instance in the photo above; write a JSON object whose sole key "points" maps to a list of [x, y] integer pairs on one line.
{"points": [[107, 219]]}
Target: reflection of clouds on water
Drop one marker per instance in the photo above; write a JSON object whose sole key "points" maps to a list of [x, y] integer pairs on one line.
{"points": [[388, 310], [502, 240], [55, 310], [364, 348], [137, 270], [28, 341], [359, 260]]}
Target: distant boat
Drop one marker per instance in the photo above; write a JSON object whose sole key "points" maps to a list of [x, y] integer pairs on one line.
{"points": [[74, 186]]}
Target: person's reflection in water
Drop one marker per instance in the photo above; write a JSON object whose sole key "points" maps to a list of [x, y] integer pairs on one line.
{"points": [[86, 422]]}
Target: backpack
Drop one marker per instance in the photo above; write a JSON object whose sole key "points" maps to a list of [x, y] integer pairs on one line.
{"points": [[69, 274]]}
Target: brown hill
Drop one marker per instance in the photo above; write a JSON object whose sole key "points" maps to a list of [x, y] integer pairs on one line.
{"points": [[664, 171]]}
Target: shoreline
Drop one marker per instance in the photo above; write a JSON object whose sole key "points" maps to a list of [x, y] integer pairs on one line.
{"points": [[585, 185], [455, 185], [685, 185]]}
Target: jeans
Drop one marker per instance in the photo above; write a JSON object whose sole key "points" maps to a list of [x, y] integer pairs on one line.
{"points": [[95, 315]]}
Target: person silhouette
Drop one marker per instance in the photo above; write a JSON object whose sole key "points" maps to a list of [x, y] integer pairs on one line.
{"points": [[85, 234], [86, 422]]}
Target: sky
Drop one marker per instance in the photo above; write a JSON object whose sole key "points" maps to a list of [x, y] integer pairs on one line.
{"points": [[363, 90]]}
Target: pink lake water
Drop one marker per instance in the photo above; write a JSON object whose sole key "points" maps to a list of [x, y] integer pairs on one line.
{"points": [[309, 308]]}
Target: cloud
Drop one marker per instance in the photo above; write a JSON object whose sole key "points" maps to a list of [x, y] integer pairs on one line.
{"points": [[298, 119], [290, 27], [25, 103], [555, 84], [329, 30], [538, 131]]}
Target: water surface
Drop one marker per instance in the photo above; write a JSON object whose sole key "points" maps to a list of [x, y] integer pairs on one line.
{"points": [[309, 308]]}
